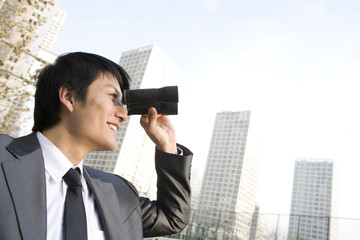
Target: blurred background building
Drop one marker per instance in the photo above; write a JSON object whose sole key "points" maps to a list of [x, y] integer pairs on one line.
{"points": [[228, 192], [259, 225], [28, 32], [314, 200]]}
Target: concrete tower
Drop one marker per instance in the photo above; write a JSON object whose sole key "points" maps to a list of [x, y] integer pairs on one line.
{"points": [[314, 200], [227, 196]]}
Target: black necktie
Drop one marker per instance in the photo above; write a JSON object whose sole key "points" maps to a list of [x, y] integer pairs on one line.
{"points": [[74, 212]]}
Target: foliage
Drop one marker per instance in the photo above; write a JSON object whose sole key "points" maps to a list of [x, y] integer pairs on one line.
{"points": [[20, 21]]}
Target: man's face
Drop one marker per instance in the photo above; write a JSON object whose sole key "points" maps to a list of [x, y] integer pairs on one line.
{"points": [[94, 123]]}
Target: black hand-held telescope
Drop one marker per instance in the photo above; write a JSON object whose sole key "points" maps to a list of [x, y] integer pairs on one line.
{"points": [[164, 99]]}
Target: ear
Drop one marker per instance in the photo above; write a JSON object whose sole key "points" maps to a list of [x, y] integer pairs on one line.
{"points": [[66, 97]]}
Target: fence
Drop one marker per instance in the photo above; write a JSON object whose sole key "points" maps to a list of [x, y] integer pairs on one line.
{"points": [[265, 226]]}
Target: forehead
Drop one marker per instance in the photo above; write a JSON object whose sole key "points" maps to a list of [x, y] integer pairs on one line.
{"points": [[107, 80]]}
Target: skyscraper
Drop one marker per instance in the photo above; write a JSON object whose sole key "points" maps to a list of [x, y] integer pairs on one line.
{"points": [[314, 200], [259, 225], [32, 26], [133, 158], [54, 24], [42, 56], [228, 191], [45, 20]]}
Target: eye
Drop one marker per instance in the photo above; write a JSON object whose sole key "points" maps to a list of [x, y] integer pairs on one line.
{"points": [[114, 96]]}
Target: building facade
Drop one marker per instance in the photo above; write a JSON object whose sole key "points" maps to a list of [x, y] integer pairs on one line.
{"points": [[148, 67], [228, 192], [259, 225], [42, 55], [314, 200], [52, 29], [33, 24]]}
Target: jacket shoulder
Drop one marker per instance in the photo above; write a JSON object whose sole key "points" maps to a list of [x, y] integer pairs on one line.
{"points": [[111, 178], [5, 140]]}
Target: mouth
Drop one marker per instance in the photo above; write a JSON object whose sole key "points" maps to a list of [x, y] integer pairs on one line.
{"points": [[113, 127]]}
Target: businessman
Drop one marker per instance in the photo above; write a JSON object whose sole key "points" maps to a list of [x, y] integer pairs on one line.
{"points": [[46, 192]]}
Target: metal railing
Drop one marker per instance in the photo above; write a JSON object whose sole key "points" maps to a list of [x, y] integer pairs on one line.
{"points": [[265, 226]]}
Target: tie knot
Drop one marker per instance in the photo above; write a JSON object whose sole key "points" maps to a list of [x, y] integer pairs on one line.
{"points": [[72, 178]]}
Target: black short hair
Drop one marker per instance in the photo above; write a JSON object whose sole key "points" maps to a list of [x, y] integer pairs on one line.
{"points": [[78, 70]]}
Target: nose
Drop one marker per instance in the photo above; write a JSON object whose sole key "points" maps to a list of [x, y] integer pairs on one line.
{"points": [[121, 113]]}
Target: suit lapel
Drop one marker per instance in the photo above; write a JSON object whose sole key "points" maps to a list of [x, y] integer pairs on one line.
{"points": [[109, 208], [25, 176]]}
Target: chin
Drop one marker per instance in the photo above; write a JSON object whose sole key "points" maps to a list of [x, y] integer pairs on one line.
{"points": [[112, 146]]}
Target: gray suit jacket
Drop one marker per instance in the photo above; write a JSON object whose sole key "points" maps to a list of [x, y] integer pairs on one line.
{"points": [[124, 214]]}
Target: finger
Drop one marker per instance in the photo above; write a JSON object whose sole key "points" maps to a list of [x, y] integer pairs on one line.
{"points": [[152, 114]]}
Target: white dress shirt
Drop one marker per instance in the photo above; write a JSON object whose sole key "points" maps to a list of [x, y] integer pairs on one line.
{"points": [[56, 165]]}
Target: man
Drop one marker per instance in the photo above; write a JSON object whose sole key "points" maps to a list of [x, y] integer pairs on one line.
{"points": [[78, 110]]}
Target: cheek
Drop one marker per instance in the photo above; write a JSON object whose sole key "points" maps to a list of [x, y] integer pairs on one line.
{"points": [[101, 112], [95, 114]]}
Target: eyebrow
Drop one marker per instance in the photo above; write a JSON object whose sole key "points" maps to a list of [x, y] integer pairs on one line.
{"points": [[112, 86]]}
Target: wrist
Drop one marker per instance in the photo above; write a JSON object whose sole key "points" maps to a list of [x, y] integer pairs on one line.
{"points": [[172, 149]]}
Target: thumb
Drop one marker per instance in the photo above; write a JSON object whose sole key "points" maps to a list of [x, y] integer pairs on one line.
{"points": [[152, 114]]}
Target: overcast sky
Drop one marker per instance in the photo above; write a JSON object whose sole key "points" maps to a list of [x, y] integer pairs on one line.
{"points": [[294, 62]]}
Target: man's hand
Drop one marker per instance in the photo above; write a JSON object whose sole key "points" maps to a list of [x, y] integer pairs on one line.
{"points": [[160, 130]]}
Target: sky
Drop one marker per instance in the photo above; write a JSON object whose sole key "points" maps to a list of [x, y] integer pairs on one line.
{"points": [[295, 63]]}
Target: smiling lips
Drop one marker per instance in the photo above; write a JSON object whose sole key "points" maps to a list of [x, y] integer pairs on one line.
{"points": [[112, 126]]}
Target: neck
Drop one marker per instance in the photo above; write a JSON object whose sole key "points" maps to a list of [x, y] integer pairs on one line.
{"points": [[66, 143]]}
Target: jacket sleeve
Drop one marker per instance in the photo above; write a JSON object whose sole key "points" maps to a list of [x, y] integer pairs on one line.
{"points": [[170, 212]]}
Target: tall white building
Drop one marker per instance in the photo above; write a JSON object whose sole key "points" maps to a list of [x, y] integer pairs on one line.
{"points": [[259, 225], [314, 200], [41, 55], [227, 197], [46, 20], [48, 33], [133, 158], [52, 30]]}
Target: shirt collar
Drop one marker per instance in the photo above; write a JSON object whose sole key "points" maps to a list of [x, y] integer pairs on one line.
{"points": [[56, 164]]}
